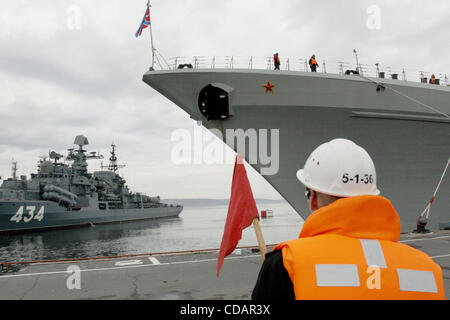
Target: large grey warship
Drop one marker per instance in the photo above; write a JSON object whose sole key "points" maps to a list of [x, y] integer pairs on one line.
{"points": [[404, 125], [61, 195]]}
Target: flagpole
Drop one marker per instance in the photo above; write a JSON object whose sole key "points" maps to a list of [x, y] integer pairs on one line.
{"points": [[260, 238], [242, 212], [151, 37]]}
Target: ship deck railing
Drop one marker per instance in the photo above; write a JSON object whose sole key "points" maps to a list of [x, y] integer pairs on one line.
{"points": [[301, 64]]}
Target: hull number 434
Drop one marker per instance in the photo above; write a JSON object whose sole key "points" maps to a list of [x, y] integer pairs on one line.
{"points": [[28, 215]]}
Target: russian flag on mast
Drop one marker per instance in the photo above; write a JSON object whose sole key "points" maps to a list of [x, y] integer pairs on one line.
{"points": [[145, 22]]}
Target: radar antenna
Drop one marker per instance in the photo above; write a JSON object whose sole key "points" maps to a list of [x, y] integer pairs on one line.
{"points": [[79, 157], [56, 156]]}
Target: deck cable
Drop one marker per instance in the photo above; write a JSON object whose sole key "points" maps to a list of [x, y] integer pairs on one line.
{"points": [[383, 85]]}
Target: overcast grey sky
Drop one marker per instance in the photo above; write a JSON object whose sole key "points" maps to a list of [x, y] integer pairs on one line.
{"points": [[58, 80]]}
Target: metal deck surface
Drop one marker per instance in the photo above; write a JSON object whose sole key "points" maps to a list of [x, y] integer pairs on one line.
{"points": [[169, 276]]}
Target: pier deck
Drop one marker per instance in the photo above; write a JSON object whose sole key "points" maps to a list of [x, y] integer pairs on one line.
{"points": [[168, 276]]}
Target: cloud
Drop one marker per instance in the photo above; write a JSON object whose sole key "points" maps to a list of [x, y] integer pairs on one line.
{"points": [[57, 82]]}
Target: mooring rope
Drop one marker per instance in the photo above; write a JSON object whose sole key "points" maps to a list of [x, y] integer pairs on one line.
{"points": [[428, 207], [405, 96], [418, 102], [383, 85]]}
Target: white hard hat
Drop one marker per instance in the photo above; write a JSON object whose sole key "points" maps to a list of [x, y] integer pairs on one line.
{"points": [[340, 168]]}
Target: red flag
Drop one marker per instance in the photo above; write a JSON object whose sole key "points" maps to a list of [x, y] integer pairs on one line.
{"points": [[241, 211]]}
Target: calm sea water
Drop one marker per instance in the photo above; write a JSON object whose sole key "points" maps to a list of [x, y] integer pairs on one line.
{"points": [[195, 228]]}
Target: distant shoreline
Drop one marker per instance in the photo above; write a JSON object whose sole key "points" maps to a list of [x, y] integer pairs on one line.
{"points": [[205, 202]]}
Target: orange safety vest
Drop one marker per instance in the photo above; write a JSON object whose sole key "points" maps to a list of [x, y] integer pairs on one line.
{"points": [[313, 61], [276, 59], [349, 250]]}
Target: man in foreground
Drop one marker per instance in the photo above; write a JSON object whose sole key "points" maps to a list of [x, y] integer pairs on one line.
{"points": [[348, 247]]}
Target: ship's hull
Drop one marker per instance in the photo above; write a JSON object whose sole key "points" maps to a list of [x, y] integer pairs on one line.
{"points": [[57, 217], [409, 143]]}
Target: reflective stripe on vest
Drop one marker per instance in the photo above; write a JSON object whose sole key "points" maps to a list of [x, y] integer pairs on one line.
{"points": [[337, 275], [338, 267], [373, 252], [346, 275], [417, 280]]}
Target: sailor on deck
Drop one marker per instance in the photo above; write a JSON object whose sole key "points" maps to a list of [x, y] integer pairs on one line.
{"points": [[432, 79], [348, 247], [313, 63], [276, 61]]}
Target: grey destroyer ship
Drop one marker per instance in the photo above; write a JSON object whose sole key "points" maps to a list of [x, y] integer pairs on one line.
{"points": [[404, 125], [61, 195]]}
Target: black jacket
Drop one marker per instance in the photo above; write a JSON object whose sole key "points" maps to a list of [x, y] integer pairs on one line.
{"points": [[273, 281]]}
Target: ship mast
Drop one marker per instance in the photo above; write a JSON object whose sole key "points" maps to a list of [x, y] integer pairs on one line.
{"points": [[14, 169], [358, 67], [156, 55], [113, 166], [151, 37]]}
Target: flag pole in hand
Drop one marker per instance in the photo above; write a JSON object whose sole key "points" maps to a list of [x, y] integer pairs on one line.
{"points": [[260, 238], [242, 212]]}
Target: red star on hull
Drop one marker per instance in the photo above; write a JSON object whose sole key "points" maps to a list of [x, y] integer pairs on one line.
{"points": [[269, 87]]}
